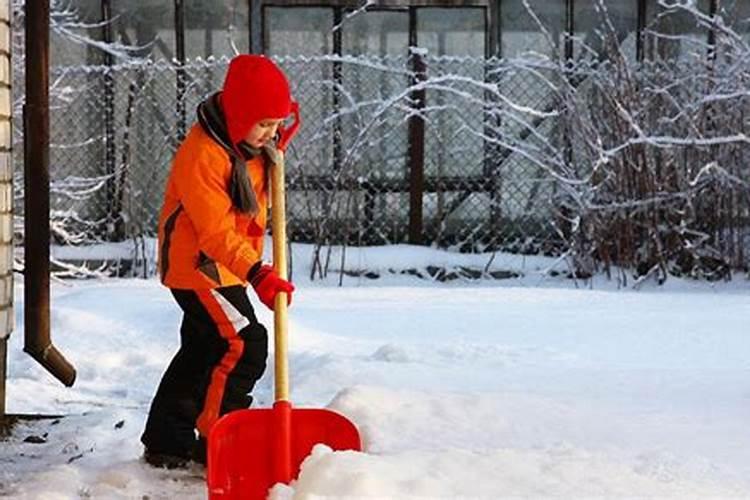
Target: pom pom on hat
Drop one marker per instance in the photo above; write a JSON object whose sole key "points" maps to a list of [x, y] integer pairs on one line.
{"points": [[255, 89]]}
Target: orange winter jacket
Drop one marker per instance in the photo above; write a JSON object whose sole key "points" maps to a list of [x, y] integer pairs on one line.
{"points": [[204, 242]]}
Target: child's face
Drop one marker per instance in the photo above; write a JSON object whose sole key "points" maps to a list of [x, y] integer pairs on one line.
{"points": [[262, 132]]}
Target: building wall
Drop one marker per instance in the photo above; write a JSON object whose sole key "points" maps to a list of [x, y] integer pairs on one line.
{"points": [[6, 196]]}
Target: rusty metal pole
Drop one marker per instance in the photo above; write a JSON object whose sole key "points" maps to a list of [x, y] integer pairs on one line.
{"points": [[37, 341]]}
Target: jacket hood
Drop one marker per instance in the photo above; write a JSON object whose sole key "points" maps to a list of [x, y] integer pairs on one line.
{"points": [[254, 89]]}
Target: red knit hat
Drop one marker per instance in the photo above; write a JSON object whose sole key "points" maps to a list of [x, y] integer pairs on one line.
{"points": [[255, 89]]}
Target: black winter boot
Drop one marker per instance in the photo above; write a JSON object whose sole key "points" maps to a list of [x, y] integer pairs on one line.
{"points": [[165, 460], [198, 454]]}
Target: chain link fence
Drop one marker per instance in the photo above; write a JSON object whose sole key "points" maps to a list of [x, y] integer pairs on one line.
{"points": [[116, 128], [470, 154]]}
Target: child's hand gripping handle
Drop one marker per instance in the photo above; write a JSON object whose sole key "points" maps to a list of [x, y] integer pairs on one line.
{"points": [[286, 133]]}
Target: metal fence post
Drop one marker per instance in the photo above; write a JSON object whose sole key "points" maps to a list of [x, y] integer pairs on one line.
{"points": [[416, 134], [179, 36], [569, 63], [114, 229], [640, 30], [713, 11], [336, 97]]}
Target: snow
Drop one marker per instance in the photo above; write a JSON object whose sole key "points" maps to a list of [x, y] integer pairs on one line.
{"points": [[519, 388]]}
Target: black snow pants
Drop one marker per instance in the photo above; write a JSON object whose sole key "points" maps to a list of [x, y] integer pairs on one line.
{"points": [[222, 354]]}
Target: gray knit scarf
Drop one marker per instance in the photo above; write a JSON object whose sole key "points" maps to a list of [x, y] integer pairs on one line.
{"points": [[211, 118]]}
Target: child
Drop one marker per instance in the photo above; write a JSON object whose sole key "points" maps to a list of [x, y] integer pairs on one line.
{"points": [[211, 231]]}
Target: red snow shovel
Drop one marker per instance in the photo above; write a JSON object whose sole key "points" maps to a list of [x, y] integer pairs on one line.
{"points": [[251, 450]]}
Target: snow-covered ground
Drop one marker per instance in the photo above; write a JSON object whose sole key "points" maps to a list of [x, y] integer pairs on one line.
{"points": [[522, 388]]}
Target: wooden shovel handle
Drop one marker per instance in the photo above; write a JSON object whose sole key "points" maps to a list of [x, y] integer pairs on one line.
{"points": [[278, 226]]}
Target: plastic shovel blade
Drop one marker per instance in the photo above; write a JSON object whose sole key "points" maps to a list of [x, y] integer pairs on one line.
{"points": [[251, 450]]}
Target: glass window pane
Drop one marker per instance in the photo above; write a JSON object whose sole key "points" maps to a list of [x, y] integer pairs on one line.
{"points": [[520, 33], [683, 35], [306, 31], [455, 32], [451, 146], [597, 26], [376, 33], [298, 31], [146, 24], [64, 51], [381, 34], [215, 28], [89, 11]]}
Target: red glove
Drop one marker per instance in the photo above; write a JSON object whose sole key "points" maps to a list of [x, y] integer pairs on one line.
{"points": [[267, 283]]}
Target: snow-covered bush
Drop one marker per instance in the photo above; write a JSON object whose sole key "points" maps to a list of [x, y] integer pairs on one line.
{"points": [[654, 169]]}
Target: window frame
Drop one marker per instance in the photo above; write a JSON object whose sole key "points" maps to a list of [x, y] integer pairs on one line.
{"points": [[257, 15]]}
